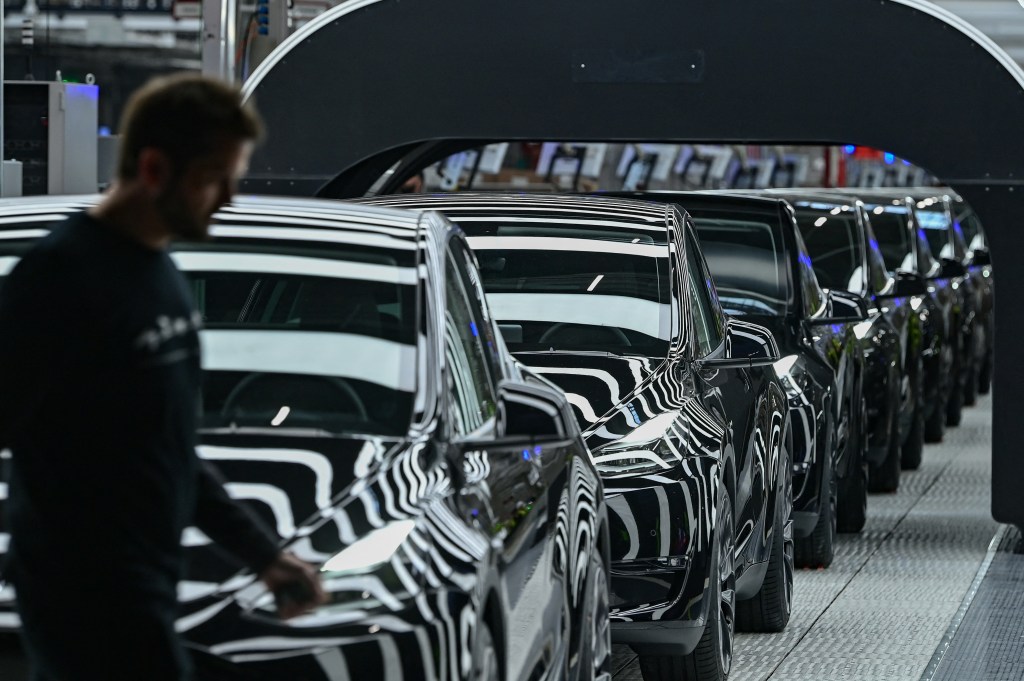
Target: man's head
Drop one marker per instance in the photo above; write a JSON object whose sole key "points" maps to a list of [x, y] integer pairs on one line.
{"points": [[185, 140]]}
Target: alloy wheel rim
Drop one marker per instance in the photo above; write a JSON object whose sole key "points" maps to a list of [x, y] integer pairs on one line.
{"points": [[787, 535], [727, 592], [600, 625]]}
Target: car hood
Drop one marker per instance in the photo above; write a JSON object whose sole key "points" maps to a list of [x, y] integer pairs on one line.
{"points": [[296, 486], [606, 391]]}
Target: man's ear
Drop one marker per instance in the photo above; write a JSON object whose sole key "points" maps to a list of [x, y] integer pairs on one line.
{"points": [[154, 168]]}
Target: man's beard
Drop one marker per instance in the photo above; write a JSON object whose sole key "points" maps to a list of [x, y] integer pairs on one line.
{"points": [[183, 224]]}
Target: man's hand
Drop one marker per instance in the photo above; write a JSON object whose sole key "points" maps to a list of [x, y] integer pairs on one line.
{"points": [[295, 584]]}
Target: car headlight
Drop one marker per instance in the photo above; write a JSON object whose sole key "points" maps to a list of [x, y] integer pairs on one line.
{"points": [[656, 457], [372, 551], [646, 449]]}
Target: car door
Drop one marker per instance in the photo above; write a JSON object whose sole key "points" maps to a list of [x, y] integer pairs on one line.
{"points": [[732, 394], [507, 489]]}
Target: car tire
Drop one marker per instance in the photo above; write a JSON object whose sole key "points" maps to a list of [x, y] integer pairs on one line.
{"points": [[595, 653], [971, 386], [913, 448], [885, 477], [817, 550], [486, 666], [711, 660], [935, 424], [770, 609], [852, 507], [985, 375], [955, 402]]}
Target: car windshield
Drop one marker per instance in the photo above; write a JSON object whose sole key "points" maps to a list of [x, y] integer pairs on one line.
{"points": [[576, 287], [890, 225], [830, 233], [305, 338], [935, 223], [298, 337], [746, 261]]}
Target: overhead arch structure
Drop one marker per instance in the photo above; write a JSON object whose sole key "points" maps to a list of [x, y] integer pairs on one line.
{"points": [[370, 81]]}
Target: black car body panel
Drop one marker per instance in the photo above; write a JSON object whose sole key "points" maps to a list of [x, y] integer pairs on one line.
{"points": [[820, 364], [948, 247], [979, 266], [668, 435], [390, 438], [904, 247], [845, 255]]}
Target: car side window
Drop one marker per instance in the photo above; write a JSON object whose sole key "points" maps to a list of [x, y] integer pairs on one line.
{"points": [[877, 273], [472, 402], [814, 297], [706, 324]]}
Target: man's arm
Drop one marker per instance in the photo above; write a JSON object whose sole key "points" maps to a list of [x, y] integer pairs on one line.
{"points": [[237, 529]]}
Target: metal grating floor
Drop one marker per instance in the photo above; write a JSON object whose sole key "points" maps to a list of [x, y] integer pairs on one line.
{"points": [[989, 643], [882, 608]]}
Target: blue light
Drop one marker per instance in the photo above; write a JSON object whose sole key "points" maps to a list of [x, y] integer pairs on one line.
{"points": [[472, 327], [526, 455], [874, 244], [537, 450], [104, 131], [849, 149], [906, 163], [890, 158]]}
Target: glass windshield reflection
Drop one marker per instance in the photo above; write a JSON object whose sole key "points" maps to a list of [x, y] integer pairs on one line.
{"points": [[303, 341], [557, 288], [745, 260]]}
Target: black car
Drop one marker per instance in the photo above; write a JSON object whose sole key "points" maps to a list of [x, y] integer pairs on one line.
{"points": [[934, 210], [905, 250], [762, 273], [358, 397], [687, 422], [979, 266], [845, 255]]}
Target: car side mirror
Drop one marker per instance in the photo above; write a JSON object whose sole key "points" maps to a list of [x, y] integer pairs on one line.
{"points": [[842, 307], [746, 345], [952, 268], [910, 284], [982, 257], [529, 415]]}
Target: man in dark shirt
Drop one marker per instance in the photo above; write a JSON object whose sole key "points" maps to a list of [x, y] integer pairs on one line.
{"points": [[99, 388]]}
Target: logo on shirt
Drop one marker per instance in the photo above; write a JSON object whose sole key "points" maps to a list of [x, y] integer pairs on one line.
{"points": [[167, 329]]}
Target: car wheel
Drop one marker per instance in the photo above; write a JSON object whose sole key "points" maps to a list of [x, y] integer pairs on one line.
{"points": [[885, 477], [853, 489], [596, 644], [770, 609], [935, 425], [913, 448], [985, 375], [818, 548], [971, 385], [486, 667], [955, 403], [711, 660]]}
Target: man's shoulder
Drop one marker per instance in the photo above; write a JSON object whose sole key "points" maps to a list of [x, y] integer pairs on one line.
{"points": [[67, 245]]}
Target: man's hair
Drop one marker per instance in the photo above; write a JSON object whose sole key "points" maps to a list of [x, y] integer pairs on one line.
{"points": [[186, 116]]}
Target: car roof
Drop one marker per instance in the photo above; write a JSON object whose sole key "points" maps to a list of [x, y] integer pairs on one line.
{"points": [[820, 196], [705, 197], [252, 216], [626, 214]]}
